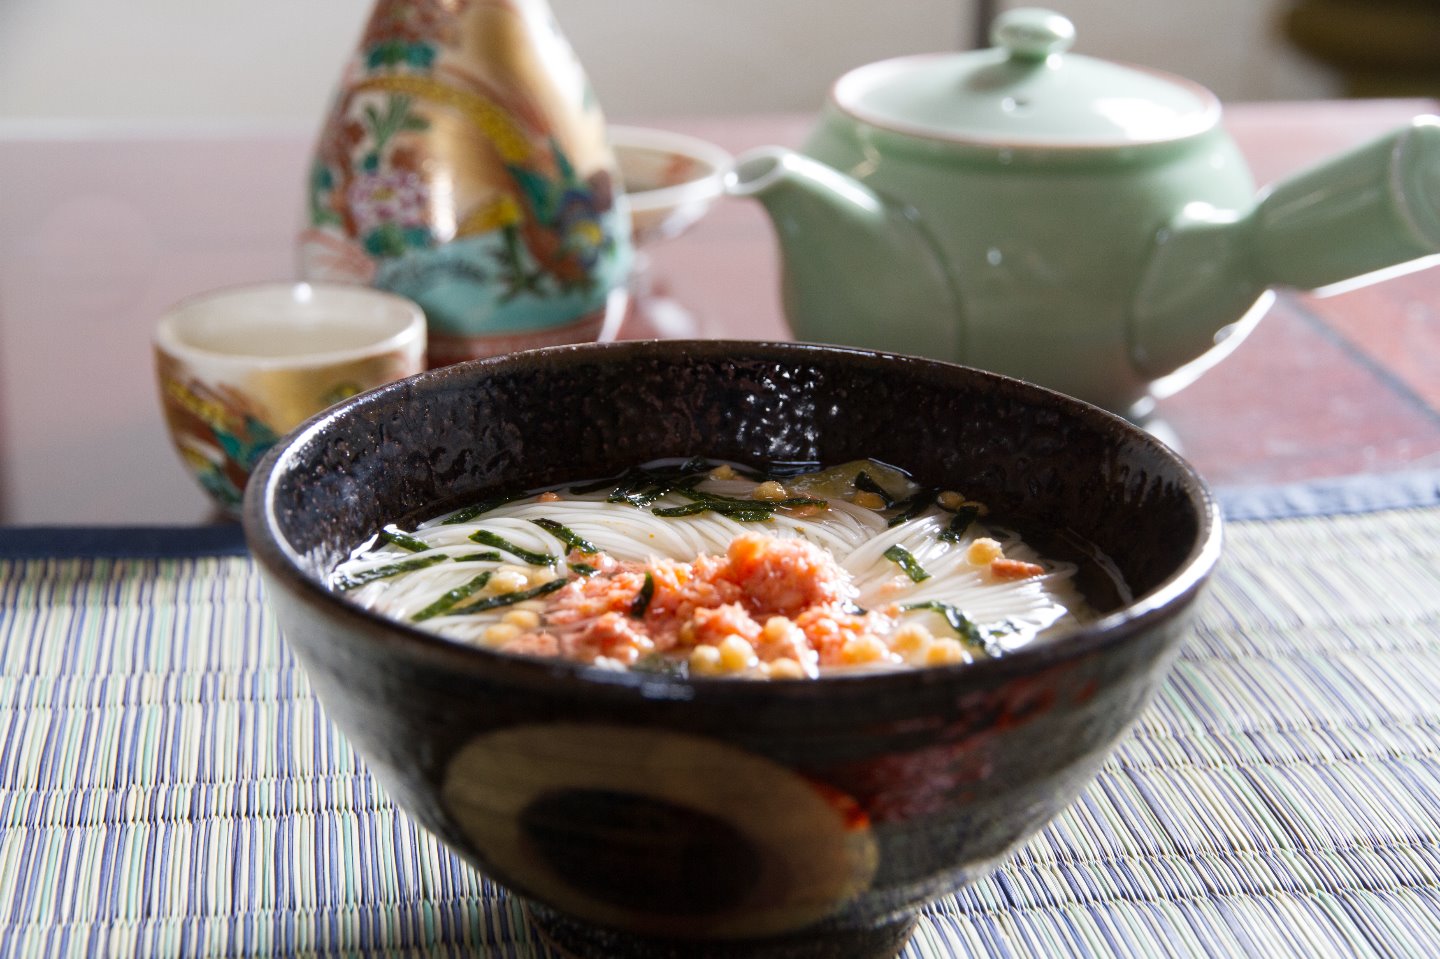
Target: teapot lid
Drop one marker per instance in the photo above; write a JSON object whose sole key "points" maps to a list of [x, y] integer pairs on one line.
{"points": [[1027, 91]]}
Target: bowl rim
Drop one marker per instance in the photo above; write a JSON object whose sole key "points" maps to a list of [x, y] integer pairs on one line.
{"points": [[1166, 600]]}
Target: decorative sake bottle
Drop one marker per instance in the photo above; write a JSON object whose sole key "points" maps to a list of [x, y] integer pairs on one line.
{"points": [[465, 165]]}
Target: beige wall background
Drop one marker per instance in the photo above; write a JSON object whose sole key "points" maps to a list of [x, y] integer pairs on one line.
{"points": [[277, 60]]}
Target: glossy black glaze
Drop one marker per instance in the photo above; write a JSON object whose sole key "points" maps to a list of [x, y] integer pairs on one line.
{"points": [[943, 770], [580, 940]]}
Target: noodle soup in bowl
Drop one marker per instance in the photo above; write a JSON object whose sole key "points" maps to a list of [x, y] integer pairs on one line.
{"points": [[642, 797]]}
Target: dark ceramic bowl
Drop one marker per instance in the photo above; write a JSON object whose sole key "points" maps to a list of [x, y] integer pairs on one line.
{"points": [[650, 816]]}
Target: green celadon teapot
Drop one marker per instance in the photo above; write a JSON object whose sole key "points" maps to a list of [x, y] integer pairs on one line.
{"points": [[1085, 225]]}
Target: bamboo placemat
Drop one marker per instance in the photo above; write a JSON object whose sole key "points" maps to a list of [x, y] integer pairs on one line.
{"points": [[169, 786]]}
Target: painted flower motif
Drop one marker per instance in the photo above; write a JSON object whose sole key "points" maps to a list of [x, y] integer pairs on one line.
{"points": [[579, 223], [390, 208], [218, 435], [414, 20], [417, 55], [396, 197]]}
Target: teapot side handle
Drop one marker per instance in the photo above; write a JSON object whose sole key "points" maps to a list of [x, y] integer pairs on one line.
{"points": [[856, 268]]}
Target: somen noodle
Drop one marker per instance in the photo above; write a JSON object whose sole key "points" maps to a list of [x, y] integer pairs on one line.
{"points": [[703, 568]]}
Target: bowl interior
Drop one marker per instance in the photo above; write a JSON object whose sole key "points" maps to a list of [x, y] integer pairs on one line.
{"points": [[1053, 466]]}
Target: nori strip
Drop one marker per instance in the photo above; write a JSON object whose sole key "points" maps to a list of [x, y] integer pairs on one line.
{"points": [[566, 535], [913, 506], [688, 509], [906, 560], [959, 523], [402, 539], [641, 487], [510, 599], [453, 598], [389, 569], [468, 513], [488, 556], [486, 538], [959, 622], [864, 481], [641, 602]]}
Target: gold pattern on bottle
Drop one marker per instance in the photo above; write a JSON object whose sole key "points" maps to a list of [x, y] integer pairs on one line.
{"points": [[507, 138]]}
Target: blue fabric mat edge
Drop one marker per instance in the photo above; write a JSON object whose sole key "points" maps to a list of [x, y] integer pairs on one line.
{"points": [[135, 542], [1332, 497], [1327, 497]]}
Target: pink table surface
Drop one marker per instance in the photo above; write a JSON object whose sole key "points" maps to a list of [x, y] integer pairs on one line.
{"points": [[104, 226]]}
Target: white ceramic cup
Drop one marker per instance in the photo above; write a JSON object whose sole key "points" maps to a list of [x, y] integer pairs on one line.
{"points": [[240, 367]]}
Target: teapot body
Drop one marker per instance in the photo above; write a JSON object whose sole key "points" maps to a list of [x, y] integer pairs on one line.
{"points": [[1081, 224], [1045, 246]]}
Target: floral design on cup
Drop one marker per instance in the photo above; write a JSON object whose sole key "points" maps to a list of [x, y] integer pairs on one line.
{"points": [[241, 367], [217, 434]]}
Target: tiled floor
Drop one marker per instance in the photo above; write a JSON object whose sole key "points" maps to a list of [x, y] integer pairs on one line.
{"points": [[1299, 399], [1395, 323]]}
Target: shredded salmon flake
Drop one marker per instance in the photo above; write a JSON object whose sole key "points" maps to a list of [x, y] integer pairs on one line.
{"points": [[786, 597], [1014, 569]]}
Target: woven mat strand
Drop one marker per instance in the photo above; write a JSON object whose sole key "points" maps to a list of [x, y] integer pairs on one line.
{"points": [[169, 786]]}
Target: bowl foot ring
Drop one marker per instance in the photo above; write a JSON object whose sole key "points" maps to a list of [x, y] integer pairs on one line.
{"points": [[576, 939]]}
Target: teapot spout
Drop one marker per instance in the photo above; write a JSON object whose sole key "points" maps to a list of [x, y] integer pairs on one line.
{"points": [[1359, 217], [855, 269], [1356, 217]]}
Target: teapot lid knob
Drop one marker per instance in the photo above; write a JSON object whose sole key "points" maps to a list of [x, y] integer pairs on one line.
{"points": [[1032, 34], [1026, 90]]}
